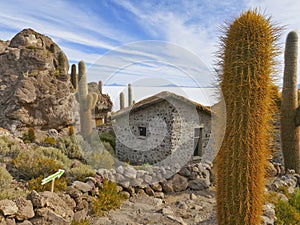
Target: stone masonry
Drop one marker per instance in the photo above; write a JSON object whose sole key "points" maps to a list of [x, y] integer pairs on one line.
{"points": [[158, 127]]}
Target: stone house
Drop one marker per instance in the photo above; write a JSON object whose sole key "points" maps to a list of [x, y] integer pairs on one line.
{"points": [[159, 126]]}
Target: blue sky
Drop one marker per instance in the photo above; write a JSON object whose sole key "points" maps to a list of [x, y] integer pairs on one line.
{"points": [[149, 42]]}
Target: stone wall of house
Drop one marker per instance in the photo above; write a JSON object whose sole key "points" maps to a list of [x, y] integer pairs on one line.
{"points": [[186, 119], [155, 146], [170, 128]]}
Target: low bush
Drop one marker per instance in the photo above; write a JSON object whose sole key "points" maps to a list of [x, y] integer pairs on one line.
{"points": [[108, 137], [80, 172], [55, 154], [60, 184], [8, 149], [49, 141], [29, 137], [109, 198], [6, 192], [81, 222], [31, 164], [70, 147], [100, 159], [5, 178], [287, 212]]}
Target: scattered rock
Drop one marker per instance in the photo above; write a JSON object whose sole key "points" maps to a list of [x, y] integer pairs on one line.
{"points": [[149, 191], [177, 219], [8, 207], [25, 222], [198, 184], [50, 205], [167, 186], [25, 209], [179, 183], [83, 187], [156, 187], [166, 211]]}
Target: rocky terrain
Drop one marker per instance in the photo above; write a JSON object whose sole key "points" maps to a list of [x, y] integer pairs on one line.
{"points": [[36, 92], [34, 86]]}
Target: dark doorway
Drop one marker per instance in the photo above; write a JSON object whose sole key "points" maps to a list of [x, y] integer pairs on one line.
{"points": [[198, 141]]}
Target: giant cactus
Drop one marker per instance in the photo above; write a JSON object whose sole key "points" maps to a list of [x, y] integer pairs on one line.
{"points": [[74, 77], [130, 101], [86, 100], [246, 63], [289, 130], [122, 101]]}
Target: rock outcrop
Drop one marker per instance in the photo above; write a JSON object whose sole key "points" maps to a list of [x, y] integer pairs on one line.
{"points": [[35, 90], [103, 106]]}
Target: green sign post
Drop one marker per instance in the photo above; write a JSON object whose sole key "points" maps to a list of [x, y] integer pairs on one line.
{"points": [[52, 178]]}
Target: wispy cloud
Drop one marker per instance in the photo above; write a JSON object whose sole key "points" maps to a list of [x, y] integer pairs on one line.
{"points": [[95, 31]]}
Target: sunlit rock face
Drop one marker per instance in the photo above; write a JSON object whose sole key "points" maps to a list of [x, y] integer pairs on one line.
{"points": [[35, 90]]}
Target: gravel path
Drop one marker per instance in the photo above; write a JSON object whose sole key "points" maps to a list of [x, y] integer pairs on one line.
{"points": [[185, 208]]}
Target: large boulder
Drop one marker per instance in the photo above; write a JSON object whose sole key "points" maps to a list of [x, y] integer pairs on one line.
{"points": [[50, 209], [35, 88]]}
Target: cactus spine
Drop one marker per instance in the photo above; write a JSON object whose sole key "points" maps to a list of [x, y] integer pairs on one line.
{"points": [[130, 102], [289, 130], [87, 102], [247, 58], [122, 101]]}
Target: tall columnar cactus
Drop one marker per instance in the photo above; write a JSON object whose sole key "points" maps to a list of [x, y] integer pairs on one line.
{"points": [[100, 86], [74, 77], [247, 58], [289, 130], [87, 102], [61, 63], [130, 101], [122, 100]]}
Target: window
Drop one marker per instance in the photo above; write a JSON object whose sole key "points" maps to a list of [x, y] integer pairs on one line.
{"points": [[142, 131], [198, 141]]}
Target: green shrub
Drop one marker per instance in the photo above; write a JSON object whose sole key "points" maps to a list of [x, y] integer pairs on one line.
{"points": [[6, 192], [60, 184], [49, 141], [100, 159], [108, 137], [81, 171], [29, 137], [31, 164], [30, 47], [109, 198], [55, 154], [70, 147], [5, 178], [286, 214], [109, 148], [294, 200], [81, 222], [8, 149]]}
